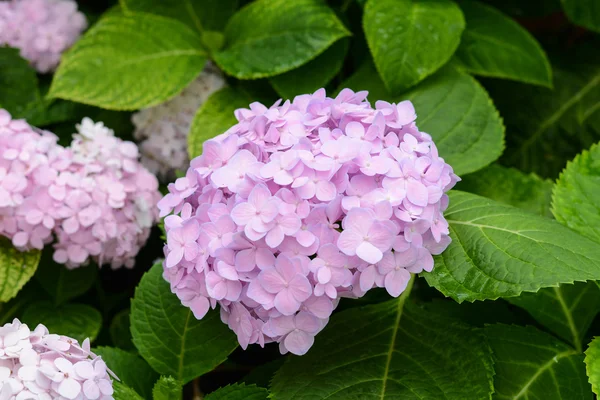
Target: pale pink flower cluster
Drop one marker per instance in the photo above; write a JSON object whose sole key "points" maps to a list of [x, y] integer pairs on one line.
{"points": [[41, 29], [93, 198], [163, 130], [300, 204], [43, 366]]}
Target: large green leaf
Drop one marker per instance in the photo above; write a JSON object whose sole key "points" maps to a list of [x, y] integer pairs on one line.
{"points": [[239, 392], [545, 127], [390, 350], [313, 75], [585, 13], [457, 112], [411, 39], [168, 335], [204, 15], [567, 310], [495, 45], [453, 108], [16, 268], [592, 362], [18, 82], [511, 186], [137, 61], [500, 251], [531, 364], [167, 388], [269, 37], [576, 195], [78, 321], [131, 369], [215, 117], [65, 284]]}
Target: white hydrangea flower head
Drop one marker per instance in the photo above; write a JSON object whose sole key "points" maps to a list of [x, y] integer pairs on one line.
{"points": [[162, 130]]}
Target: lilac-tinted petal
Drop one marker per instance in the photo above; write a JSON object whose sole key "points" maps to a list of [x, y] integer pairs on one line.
{"points": [[286, 303], [369, 253], [298, 342], [396, 281]]}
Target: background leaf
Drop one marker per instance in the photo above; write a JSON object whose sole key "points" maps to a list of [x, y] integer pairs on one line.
{"points": [[215, 117], [511, 186], [585, 13], [143, 60], [119, 331], [495, 45], [18, 82], [389, 351], [205, 15], [239, 392], [313, 75], [576, 195], [592, 363], [123, 392], [567, 310], [501, 251], [16, 268], [168, 335], [457, 112], [167, 388], [549, 127], [64, 284], [531, 364], [131, 369], [78, 321], [411, 39], [269, 37]]}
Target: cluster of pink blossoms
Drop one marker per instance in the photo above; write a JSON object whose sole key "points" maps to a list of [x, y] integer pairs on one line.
{"points": [[44, 366], [300, 204], [41, 29], [93, 198]]}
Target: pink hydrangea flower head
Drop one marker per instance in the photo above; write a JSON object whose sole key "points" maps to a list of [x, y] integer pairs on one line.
{"points": [[40, 365], [93, 199], [41, 29], [162, 130], [302, 203]]}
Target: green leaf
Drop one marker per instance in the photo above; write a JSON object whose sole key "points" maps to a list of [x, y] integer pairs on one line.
{"points": [[143, 60], [204, 15], [16, 268], [495, 45], [511, 186], [123, 392], [64, 284], [457, 112], [452, 107], [500, 251], [131, 369], [168, 335], [239, 392], [215, 117], [592, 364], [167, 388], [270, 37], [576, 195], [531, 364], [411, 39], [313, 75], [390, 350], [584, 13], [119, 331], [475, 314], [549, 127], [78, 321], [18, 82], [567, 310], [262, 375]]}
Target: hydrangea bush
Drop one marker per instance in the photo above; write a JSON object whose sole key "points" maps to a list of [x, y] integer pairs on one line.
{"points": [[311, 199]]}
